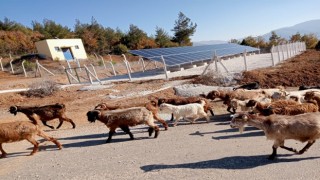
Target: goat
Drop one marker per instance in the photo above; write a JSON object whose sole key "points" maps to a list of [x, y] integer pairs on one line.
{"points": [[44, 113], [193, 110], [303, 87], [186, 100], [268, 108], [303, 127], [22, 130], [151, 106], [299, 95], [241, 95], [249, 86], [311, 95], [124, 118]]}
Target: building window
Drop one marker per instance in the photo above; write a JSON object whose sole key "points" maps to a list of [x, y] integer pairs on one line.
{"points": [[57, 48], [76, 46]]}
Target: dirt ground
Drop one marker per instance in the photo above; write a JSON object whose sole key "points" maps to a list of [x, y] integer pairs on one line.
{"points": [[167, 157]]}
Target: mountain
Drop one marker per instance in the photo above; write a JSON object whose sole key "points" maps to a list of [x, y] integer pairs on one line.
{"points": [[200, 43], [307, 27]]}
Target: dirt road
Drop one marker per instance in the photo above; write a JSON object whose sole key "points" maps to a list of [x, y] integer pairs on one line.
{"points": [[198, 151]]}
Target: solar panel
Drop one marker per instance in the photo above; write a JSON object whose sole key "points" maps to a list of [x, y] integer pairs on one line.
{"points": [[191, 54]]}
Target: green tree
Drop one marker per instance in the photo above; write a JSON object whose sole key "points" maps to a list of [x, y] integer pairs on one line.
{"points": [[311, 40], [249, 41], [162, 38], [183, 29], [96, 38], [274, 39], [296, 37], [236, 41], [8, 25], [133, 39], [51, 30], [260, 42]]}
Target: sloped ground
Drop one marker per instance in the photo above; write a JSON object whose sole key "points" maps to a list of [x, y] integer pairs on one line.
{"points": [[301, 70]]}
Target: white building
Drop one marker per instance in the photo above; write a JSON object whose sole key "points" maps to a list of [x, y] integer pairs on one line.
{"points": [[62, 49]]}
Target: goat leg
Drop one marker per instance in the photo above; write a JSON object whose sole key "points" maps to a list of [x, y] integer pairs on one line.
{"points": [[35, 143], [150, 130], [111, 132], [127, 131], [308, 145], [48, 138], [45, 123], [163, 122], [3, 153], [211, 112], [289, 149], [156, 128], [172, 117], [274, 153]]}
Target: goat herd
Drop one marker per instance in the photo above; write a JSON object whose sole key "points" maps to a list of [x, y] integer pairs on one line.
{"points": [[280, 114]]}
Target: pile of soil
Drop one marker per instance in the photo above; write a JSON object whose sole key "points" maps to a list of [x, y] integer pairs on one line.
{"points": [[300, 70]]}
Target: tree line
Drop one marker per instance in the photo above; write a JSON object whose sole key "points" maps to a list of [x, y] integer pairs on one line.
{"points": [[18, 39], [311, 40]]}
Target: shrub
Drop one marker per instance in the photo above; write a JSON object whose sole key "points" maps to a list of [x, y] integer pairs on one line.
{"points": [[120, 49], [41, 89], [29, 66]]}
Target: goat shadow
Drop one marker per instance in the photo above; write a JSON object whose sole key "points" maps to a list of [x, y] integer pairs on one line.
{"points": [[234, 162], [95, 140]]}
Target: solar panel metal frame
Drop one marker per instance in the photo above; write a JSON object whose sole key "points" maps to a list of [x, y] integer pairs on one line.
{"points": [[178, 56]]}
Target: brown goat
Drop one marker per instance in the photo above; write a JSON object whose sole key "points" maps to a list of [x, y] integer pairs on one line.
{"points": [[303, 127], [43, 113], [151, 106], [124, 118], [187, 100], [22, 130], [265, 109], [311, 95], [227, 96]]}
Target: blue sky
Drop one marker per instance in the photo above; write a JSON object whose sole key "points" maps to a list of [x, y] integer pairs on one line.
{"points": [[216, 19]]}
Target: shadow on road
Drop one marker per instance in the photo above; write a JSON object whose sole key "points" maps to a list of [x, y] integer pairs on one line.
{"points": [[235, 162]]}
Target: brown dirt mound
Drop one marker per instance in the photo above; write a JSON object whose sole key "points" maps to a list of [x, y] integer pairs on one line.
{"points": [[301, 70]]}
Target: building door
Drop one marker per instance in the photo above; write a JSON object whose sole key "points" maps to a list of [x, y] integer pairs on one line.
{"points": [[67, 53]]}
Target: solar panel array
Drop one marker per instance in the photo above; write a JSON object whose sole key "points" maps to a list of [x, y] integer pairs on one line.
{"points": [[187, 55]]}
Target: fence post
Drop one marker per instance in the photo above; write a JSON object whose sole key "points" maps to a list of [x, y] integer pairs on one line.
{"points": [[94, 70], [127, 66], [282, 51], [114, 71], [272, 59], [212, 59], [69, 66], [278, 49], [78, 63], [88, 75], [105, 67], [245, 60], [143, 65], [1, 63], [165, 68], [287, 51], [24, 69], [11, 65], [65, 70]]}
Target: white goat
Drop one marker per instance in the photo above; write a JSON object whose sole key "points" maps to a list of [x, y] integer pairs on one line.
{"points": [[193, 111], [303, 127], [299, 95]]}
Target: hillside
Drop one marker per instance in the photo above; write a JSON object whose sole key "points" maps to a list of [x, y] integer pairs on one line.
{"points": [[307, 27]]}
